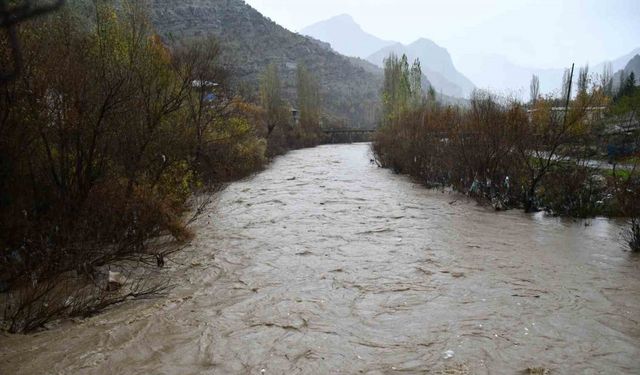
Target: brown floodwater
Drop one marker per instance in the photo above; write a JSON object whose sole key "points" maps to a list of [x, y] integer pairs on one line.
{"points": [[325, 263]]}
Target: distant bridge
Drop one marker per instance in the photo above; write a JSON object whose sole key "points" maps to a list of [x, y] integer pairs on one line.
{"points": [[348, 135]]}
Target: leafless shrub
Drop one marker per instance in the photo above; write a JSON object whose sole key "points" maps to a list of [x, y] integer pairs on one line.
{"points": [[632, 235], [104, 139], [31, 306], [497, 149]]}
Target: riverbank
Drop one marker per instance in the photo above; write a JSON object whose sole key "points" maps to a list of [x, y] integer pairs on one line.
{"points": [[497, 152], [326, 263]]}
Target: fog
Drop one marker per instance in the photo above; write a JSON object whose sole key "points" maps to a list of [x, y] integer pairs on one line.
{"points": [[533, 33]]}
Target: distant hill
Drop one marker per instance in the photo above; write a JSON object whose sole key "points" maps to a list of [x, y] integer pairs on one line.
{"points": [[351, 88], [346, 36], [633, 66], [620, 62], [496, 72], [436, 65]]}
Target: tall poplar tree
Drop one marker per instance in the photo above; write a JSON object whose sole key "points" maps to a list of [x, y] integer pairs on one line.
{"points": [[416, 84], [396, 93], [271, 99], [308, 105]]}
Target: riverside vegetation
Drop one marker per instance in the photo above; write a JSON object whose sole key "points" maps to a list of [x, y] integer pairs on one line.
{"points": [[513, 154], [107, 139], [112, 137]]}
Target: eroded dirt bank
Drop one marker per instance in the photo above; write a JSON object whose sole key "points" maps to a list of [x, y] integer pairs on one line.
{"points": [[327, 264]]}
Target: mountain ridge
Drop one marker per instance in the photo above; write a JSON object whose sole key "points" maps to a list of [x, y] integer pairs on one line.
{"points": [[633, 66], [345, 36], [497, 72], [436, 64], [252, 42], [348, 37]]}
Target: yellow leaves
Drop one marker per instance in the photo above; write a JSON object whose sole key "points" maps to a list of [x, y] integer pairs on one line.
{"points": [[248, 109], [176, 182], [158, 49], [107, 13]]}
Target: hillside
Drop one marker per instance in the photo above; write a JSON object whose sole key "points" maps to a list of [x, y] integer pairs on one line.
{"points": [[350, 91], [620, 62], [346, 36], [633, 66]]}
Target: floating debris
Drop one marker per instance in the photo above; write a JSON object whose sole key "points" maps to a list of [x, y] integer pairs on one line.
{"points": [[116, 281], [455, 369], [537, 371]]}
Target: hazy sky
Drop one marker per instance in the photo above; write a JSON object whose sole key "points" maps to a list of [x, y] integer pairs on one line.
{"points": [[539, 33]]}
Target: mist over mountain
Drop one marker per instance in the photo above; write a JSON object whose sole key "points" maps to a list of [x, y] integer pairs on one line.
{"points": [[498, 73], [633, 66], [485, 71], [436, 62], [346, 36], [350, 89], [620, 62]]}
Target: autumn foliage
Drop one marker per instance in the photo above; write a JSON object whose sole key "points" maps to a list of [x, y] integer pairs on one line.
{"points": [[104, 139]]}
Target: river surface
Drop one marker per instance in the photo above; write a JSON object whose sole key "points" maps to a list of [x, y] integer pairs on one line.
{"points": [[326, 264]]}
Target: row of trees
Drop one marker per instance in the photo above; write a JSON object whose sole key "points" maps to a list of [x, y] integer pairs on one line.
{"points": [[402, 90], [505, 152], [605, 81]]}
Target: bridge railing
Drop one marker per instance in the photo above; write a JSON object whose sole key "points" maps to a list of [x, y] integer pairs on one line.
{"points": [[334, 136]]}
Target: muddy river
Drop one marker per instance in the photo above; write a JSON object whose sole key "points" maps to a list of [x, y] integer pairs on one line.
{"points": [[326, 264]]}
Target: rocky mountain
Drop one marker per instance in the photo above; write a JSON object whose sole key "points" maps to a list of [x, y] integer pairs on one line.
{"points": [[350, 88], [437, 65], [346, 36], [633, 66], [620, 62]]}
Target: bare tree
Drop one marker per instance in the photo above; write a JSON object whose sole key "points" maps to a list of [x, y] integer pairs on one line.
{"points": [[583, 80], [534, 89], [606, 79]]}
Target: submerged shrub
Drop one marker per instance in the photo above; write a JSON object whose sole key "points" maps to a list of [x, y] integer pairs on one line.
{"points": [[500, 152], [632, 235]]}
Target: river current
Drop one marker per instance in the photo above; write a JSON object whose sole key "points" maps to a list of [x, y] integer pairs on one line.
{"points": [[326, 264]]}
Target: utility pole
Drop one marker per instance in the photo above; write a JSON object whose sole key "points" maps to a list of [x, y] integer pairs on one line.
{"points": [[566, 106]]}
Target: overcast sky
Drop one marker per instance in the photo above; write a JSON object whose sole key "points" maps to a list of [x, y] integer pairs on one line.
{"points": [[538, 33]]}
